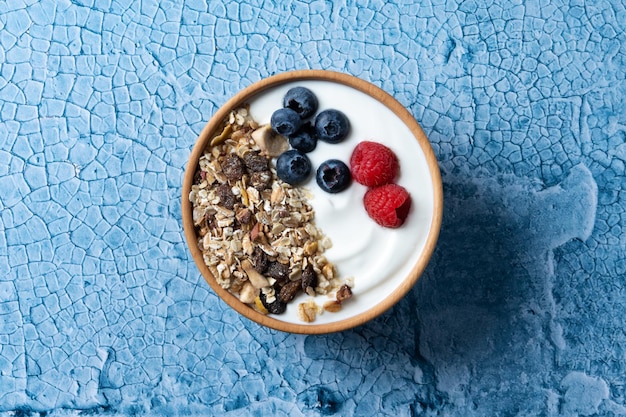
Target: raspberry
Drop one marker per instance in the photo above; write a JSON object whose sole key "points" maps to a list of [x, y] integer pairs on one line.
{"points": [[373, 164], [388, 205]]}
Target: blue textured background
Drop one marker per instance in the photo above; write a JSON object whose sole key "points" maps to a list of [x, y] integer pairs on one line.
{"points": [[520, 313]]}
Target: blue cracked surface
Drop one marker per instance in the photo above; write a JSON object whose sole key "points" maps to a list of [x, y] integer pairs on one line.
{"points": [[520, 313]]}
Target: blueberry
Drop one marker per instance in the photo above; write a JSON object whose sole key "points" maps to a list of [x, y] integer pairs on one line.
{"points": [[285, 121], [293, 167], [302, 101], [333, 176], [332, 126], [305, 139]]}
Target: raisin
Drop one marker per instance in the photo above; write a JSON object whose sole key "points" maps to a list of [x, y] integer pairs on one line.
{"points": [[259, 260], [309, 280], [289, 291], [227, 198], [278, 271], [255, 162], [275, 307], [261, 180], [233, 167]]}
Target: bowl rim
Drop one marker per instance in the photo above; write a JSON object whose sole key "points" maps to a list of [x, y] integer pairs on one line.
{"points": [[381, 96]]}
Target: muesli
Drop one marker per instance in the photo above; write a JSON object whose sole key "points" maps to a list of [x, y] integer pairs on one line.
{"points": [[257, 233]]}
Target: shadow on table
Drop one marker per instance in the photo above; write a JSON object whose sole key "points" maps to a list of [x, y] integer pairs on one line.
{"points": [[483, 309], [463, 307], [479, 281]]}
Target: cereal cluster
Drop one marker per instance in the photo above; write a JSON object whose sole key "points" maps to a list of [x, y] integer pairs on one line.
{"points": [[256, 232]]}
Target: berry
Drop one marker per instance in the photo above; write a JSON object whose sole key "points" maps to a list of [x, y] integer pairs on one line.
{"points": [[332, 126], [305, 139], [333, 176], [302, 101], [388, 205], [373, 164], [285, 121], [293, 167]]}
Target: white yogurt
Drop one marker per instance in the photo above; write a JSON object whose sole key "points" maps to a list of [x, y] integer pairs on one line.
{"points": [[378, 258]]}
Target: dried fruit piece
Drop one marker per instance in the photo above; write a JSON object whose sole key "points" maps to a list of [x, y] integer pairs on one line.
{"points": [[258, 303], [259, 260], [255, 162], [278, 271], [388, 205], [373, 164], [227, 198], [288, 291], [222, 136], [232, 167], [309, 280], [275, 307]]}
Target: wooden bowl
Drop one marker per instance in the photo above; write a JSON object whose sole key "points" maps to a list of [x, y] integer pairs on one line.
{"points": [[397, 270]]}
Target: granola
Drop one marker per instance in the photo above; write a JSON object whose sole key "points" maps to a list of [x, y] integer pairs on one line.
{"points": [[257, 233]]}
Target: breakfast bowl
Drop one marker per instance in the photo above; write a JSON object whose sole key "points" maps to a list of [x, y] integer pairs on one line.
{"points": [[290, 254]]}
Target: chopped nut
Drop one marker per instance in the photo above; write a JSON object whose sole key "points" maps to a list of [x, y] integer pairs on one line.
{"points": [[328, 271], [270, 143], [254, 233], [307, 311], [248, 293], [256, 279], [244, 216], [261, 180], [343, 293], [310, 248], [246, 244], [332, 306], [277, 195]]}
